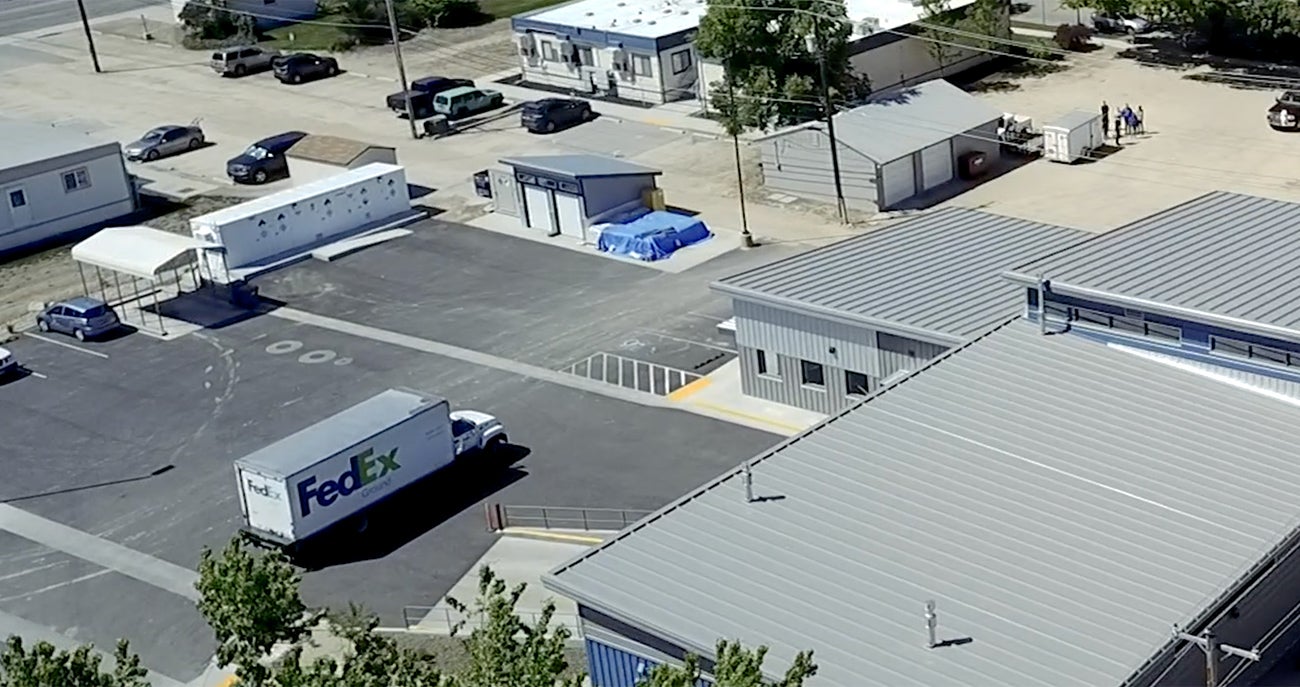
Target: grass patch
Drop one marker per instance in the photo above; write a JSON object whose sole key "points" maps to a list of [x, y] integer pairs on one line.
{"points": [[308, 36], [501, 9]]}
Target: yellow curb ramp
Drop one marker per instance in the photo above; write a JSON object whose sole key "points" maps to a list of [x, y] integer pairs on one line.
{"points": [[691, 389], [553, 536], [749, 416]]}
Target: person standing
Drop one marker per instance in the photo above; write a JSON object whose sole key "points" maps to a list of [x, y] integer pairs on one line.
{"points": [[1119, 125], [1105, 120], [1142, 120]]}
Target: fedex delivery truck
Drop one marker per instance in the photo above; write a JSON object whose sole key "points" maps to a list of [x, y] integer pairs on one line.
{"points": [[335, 469]]}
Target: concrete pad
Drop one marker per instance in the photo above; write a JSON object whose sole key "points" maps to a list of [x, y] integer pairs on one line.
{"points": [[337, 250], [679, 262], [719, 392], [276, 262], [515, 560]]}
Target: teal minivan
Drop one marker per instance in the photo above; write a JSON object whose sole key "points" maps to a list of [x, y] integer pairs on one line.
{"points": [[465, 101]]}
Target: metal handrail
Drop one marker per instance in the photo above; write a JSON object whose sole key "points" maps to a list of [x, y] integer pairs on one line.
{"points": [[568, 517], [442, 619]]}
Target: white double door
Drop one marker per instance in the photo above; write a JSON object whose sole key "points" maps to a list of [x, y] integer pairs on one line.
{"points": [[554, 211]]}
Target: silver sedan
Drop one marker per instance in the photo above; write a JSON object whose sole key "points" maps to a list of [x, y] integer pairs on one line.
{"points": [[164, 140]]}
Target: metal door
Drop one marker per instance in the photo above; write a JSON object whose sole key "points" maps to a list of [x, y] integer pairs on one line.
{"points": [[1052, 140], [936, 164], [568, 209], [539, 206], [899, 182], [19, 204], [504, 194]]}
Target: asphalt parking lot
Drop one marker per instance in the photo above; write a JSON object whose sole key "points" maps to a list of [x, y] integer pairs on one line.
{"points": [[132, 440]]}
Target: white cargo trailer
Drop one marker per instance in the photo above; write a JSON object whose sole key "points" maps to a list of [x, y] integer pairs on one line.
{"points": [[292, 220], [1073, 137], [333, 470]]}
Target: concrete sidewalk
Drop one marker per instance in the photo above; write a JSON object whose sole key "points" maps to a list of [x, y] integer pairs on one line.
{"points": [[719, 392]]}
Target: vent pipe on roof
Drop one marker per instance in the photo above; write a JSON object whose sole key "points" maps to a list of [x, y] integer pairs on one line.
{"points": [[931, 626], [749, 484]]}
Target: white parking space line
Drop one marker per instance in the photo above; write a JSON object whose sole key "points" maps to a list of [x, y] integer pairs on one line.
{"points": [[65, 344], [154, 571]]}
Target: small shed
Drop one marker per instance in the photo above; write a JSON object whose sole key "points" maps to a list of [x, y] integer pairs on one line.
{"points": [[899, 145], [567, 194], [317, 157]]}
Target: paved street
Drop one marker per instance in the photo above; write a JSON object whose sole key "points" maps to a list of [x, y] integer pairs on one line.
{"points": [[20, 16]]}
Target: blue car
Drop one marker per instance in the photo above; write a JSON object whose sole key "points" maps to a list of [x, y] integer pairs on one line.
{"points": [[82, 317]]}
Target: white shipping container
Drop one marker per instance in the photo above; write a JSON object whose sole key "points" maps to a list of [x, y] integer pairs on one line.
{"points": [[1073, 137], [310, 480], [291, 220]]}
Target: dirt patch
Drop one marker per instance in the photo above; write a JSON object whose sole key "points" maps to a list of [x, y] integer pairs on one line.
{"points": [[29, 281]]}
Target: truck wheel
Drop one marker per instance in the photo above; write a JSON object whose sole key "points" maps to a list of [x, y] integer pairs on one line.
{"points": [[361, 524], [240, 70], [260, 176], [498, 442]]}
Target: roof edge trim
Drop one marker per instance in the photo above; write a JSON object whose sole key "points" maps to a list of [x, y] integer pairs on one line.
{"points": [[928, 335], [1169, 310]]}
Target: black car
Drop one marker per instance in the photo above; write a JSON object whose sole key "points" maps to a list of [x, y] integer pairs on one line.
{"points": [[263, 160], [549, 114], [1284, 115], [303, 66], [421, 94]]}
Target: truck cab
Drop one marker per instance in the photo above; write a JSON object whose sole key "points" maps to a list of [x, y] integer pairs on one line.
{"points": [[474, 431]]}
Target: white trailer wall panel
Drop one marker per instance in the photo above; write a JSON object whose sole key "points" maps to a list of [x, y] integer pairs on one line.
{"points": [[335, 468], [292, 220]]}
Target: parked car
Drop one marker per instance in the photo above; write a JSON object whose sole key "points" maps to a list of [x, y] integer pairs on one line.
{"points": [[83, 317], [8, 363], [549, 114], [264, 159], [241, 60], [1120, 23], [421, 94], [1284, 115], [167, 139], [304, 66], [465, 101]]}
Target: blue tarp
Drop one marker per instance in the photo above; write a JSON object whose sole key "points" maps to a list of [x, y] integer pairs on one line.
{"points": [[652, 236]]}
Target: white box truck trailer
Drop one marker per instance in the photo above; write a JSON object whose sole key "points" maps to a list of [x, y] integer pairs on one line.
{"points": [[335, 469], [1073, 137]]}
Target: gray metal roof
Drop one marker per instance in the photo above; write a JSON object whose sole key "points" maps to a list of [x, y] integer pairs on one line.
{"points": [[27, 143], [1063, 502], [1223, 254], [938, 275], [580, 165], [313, 444], [900, 122], [1074, 120]]}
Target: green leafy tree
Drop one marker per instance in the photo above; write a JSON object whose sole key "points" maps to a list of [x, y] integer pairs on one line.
{"points": [[429, 14], [214, 22], [736, 666], [937, 24], [1102, 6], [503, 649], [770, 65], [371, 661], [251, 602], [45, 666]]}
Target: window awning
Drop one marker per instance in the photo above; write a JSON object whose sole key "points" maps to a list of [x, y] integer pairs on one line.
{"points": [[139, 251]]}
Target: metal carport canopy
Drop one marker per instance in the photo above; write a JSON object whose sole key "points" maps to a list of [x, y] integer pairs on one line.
{"points": [[138, 251]]}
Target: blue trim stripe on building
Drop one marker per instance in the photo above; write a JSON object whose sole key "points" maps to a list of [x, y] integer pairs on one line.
{"points": [[611, 667]]}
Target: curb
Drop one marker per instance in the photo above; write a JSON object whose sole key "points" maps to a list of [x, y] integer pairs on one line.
{"points": [[546, 535]]}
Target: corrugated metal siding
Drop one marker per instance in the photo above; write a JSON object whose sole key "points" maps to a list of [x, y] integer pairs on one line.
{"points": [[900, 353], [799, 162], [803, 336], [610, 667], [786, 385]]}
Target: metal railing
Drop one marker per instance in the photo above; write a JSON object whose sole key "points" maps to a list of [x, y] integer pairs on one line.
{"points": [[501, 516], [630, 373], [442, 620]]}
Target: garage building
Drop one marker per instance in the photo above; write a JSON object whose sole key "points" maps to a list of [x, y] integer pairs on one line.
{"points": [[897, 147], [824, 329], [316, 157], [1052, 503], [568, 194]]}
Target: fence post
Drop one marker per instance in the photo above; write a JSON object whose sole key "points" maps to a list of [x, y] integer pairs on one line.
{"points": [[585, 526], [622, 514], [546, 521]]}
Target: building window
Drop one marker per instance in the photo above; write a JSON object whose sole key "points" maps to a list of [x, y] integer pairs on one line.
{"points": [[641, 65], [17, 198], [760, 356], [76, 180], [1033, 298], [586, 57], [1241, 349], [812, 374], [549, 53], [1131, 323], [681, 60], [857, 383]]}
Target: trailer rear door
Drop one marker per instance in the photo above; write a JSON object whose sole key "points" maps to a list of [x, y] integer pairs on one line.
{"points": [[267, 506]]}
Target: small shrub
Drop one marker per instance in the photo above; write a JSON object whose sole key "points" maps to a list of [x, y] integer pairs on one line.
{"points": [[1072, 37], [213, 23]]}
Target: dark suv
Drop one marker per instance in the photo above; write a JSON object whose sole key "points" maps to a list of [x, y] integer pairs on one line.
{"points": [[304, 66], [421, 94], [264, 159], [549, 114]]}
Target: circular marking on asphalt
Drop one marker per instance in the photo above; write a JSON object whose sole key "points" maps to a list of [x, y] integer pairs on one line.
{"points": [[343, 361], [282, 347], [316, 357]]}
